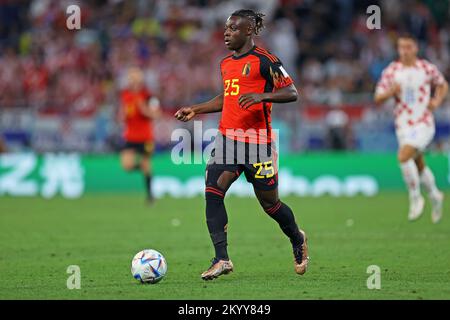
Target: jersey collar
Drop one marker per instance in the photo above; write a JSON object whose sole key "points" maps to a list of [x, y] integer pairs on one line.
{"points": [[245, 54]]}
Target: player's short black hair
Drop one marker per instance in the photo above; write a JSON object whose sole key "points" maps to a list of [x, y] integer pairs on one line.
{"points": [[407, 35], [256, 18]]}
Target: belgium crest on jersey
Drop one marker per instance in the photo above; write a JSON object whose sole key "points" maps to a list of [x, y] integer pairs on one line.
{"points": [[246, 69]]}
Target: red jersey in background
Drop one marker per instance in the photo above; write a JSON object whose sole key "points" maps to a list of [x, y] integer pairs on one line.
{"points": [[138, 128]]}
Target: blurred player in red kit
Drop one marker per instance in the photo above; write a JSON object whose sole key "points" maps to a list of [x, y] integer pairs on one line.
{"points": [[137, 111]]}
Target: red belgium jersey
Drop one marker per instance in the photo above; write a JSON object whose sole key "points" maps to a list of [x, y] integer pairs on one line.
{"points": [[256, 71], [138, 128]]}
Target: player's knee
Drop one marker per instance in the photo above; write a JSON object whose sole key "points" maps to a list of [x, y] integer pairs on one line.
{"points": [[127, 161], [402, 157], [267, 199], [217, 183], [226, 178], [214, 194]]}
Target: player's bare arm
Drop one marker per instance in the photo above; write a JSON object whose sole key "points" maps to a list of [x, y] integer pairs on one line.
{"points": [[439, 96], [381, 98], [187, 113], [282, 95]]}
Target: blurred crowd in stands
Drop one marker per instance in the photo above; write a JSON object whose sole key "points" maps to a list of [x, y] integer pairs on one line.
{"points": [[326, 46]]}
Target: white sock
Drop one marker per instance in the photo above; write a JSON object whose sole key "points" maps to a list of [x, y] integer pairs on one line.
{"points": [[427, 179], [411, 177]]}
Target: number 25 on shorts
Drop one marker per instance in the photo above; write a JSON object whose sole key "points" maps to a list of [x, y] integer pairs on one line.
{"points": [[234, 87], [268, 168]]}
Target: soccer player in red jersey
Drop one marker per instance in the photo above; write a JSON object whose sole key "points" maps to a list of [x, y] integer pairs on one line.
{"points": [[138, 109], [253, 79]]}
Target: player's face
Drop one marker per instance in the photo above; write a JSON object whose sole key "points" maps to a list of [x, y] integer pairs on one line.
{"points": [[236, 32], [135, 79], [407, 49]]}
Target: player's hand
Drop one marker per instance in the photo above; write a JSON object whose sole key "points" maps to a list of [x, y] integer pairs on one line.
{"points": [[433, 104], [249, 99], [184, 114]]}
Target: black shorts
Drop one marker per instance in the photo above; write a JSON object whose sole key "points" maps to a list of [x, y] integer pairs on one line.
{"points": [[257, 161], [144, 148]]}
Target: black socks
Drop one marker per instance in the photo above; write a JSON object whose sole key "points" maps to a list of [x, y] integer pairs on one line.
{"points": [[282, 214], [217, 220], [148, 185]]}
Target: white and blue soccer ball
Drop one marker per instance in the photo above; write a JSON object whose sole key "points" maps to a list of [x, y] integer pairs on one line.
{"points": [[148, 266]]}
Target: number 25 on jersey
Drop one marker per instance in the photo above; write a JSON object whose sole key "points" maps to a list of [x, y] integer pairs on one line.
{"points": [[234, 90]]}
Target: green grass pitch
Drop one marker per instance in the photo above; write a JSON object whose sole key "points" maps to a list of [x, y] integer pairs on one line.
{"points": [[39, 239]]}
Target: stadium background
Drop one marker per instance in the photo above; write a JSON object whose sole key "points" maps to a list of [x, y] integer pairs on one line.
{"points": [[59, 88]]}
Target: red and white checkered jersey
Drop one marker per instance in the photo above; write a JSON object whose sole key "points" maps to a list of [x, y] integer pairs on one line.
{"points": [[416, 83]]}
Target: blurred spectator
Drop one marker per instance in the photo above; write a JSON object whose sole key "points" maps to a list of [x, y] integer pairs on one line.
{"points": [[325, 45], [338, 130]]}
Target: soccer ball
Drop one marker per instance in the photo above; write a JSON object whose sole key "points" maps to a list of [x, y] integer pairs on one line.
{"points": [[148, 266]]}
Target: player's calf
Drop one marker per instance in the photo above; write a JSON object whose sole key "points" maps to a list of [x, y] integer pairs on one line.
{"points": [[281, 213]]}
